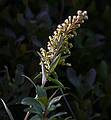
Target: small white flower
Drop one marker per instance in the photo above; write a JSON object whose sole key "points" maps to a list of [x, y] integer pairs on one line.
{"points": [[85, 13], [59, 26], [69, 19], [79, 12], [66, 21], [63, 24]]}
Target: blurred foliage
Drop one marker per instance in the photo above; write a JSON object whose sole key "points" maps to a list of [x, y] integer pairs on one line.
{"points": [[91, 99], [25, 26]]}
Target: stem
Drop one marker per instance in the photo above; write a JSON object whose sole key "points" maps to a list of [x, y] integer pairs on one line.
{"points": [[27, 115], [45, 114], [67, 103]]}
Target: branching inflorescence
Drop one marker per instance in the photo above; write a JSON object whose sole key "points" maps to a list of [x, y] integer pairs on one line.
{"points": [[58, 43]]}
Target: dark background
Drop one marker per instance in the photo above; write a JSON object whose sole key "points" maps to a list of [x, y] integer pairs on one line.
{"points": [[24, 28]]}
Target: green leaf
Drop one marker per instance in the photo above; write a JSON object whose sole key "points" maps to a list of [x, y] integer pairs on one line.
{"points": [[42, 95], [33, 103], [32, 110], [31, 82], [55, 63], [36, 117], [41, 91], [51, 87], [57, 115], [57, 82], [38, 76], [54, 100], [54, 107], [68, 118]]}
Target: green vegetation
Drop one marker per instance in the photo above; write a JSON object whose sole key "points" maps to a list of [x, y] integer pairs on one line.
{"points": [[74, 82]]}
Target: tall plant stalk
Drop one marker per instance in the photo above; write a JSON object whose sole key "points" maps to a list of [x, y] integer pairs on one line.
{"points": [[58, 49]]}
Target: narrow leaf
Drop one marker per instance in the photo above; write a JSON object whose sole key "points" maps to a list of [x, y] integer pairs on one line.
{"points": [[55, 63], [69, 118], [38, 76], [54, 100], [51, 87], [57, 115], [36, 117], [56, 82], [7, 110], [35, 105], [30, 81]]}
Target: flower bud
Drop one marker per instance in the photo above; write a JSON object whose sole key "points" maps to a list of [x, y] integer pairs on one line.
{"points": [[59, 26], [86, 17], [66, 21], [84, 13], [63, 24], [74, 19], [55, 32], [79, 12], [69, 19]]}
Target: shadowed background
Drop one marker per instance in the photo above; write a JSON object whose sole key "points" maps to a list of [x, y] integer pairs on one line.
{"points": [[24, 28]]}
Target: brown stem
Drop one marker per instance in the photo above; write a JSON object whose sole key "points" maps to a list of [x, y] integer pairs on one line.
{"points": [[45, 114], [27, 115]]}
